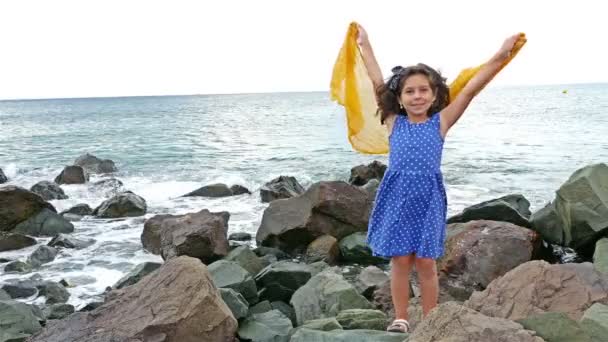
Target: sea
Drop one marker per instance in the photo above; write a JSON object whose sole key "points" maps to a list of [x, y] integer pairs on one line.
{"points": [[511, 140]]}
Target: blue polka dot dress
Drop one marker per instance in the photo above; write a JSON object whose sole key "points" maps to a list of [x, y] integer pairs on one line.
{"points": [[409, 214]]}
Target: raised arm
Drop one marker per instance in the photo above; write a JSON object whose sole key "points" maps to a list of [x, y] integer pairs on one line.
{"points": [[371, 64], [453, 112]]}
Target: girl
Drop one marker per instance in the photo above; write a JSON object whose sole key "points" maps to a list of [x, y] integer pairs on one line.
{"points": [[408, 221]]}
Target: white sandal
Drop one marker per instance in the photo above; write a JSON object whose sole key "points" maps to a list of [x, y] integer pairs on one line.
{"points": [[399, 326]]}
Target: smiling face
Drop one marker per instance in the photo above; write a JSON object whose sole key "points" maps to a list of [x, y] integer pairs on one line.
{"points": [[417, 96]]}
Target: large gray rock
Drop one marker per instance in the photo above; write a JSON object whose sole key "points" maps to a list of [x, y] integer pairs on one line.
{"points": [[49, 191], [72, 174], [126, 204], [362, 319], [20, 289], [325, 295], [201, 235], [137, 274], [537, 287], [271, 326], [334, 208], [280, 280], [65, 241], [42, 255], [581, 207], [150, 236], [354, 248], [82, 209], [281, 187], [595, 322], [55, 293], [9, 242], [323, 324], [370, 279], [109, 187], [362, 174], [547, 223], [177, 303], [244, 256], [511, 208], [230, 275], [454, 322], [600, 256], [359, 335], [212, 190], [478, 252], [236, 302], [555, 327], [45, 223], [17, 205], [17, 266], [58, 311], [3, 178], [17, 321], [93, 164]]}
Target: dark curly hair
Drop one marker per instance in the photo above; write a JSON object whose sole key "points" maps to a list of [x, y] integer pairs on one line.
{"points": [[387, 95]]}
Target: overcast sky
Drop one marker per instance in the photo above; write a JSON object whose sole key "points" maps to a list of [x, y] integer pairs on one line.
{"points": [[120, 48]]}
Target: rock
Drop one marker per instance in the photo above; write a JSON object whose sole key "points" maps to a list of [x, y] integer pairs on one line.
{"points": [[239, 190], [600, 256], [126, 204], [241, 236], [511, 208], [21, 289], [72, 174], [246, 258], [136, 274], [90, 306], [42, 255], [236, 302], [324, 248], [555, 327], [362, 174], [45, 223], [110, 187], [17, 266], [286, 309], [325, 295], [79, 209], [4, 295], [260, 307], [58, 311], [595, 322], [371, 188], [17, 320], [277, 253], [17, 205], [150, 237], [66, 241], [93, 164], [354, 248], [280, 280], [281, 187], [4, 260], [370, 279], [10, 242], [359, 335], [213, 190], [49, 191], [271, 326], [581, 208], [3, 178], [334, 208], [177, 303], [201, 235], [229, 274], [362, 319], [547, 223], [478, 252], [537, 287], [318, 267], [55, 293], [454, 322], [323, 324]]}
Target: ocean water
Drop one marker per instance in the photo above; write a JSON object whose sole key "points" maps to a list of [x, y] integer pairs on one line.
{"points": [[525, 140]]}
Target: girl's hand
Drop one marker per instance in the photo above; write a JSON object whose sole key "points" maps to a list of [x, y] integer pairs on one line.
{"points": [[362, 38], [507, 46]]}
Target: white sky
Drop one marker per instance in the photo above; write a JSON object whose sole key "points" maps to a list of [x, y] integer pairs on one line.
{"points": [[92, 48]]}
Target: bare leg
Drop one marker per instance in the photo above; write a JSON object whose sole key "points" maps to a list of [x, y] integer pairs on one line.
{"points": [[429, 283], [400, 284]]}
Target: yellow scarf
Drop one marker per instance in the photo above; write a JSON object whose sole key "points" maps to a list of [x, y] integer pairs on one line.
{"points": [[352, 88]]}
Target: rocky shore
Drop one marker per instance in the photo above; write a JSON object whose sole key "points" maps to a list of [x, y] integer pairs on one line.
{"points": [[309, 275]]}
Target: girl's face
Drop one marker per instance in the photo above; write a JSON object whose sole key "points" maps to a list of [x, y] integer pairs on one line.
{"points": [[417, 95]]}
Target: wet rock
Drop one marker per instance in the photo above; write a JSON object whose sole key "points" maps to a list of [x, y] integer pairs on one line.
{"points": [[49, 191], [82, 209], [3, 178], [547, 223], [136, 274], [18, 267], [17, 205], [262, 251], [72, 175], [20, 289], [281, 187], [212, 190], [42, 255], [362, 174], [241, 236], [10, 242], [265, 327], [239, 190], [93, 164], [45, 223], [58, 311], [55, 293], [109, 187], [354, 248], [126, 204], [65, 241], [555, 327], [17, 320], [246, 258], [280, 280], [229, 274], [511, 208], [595, 322], [236, 302]]}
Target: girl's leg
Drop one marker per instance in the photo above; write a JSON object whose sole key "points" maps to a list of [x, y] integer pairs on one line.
{"points": [[400, 284], [429, 283]]}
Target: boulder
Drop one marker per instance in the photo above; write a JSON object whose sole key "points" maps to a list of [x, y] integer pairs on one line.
{"points": [[109, 187], [58, 311], [9, 242], [358, 335], [93, 164], [55, 293], [280, 280], [17, 321], [333, 208], [236, 302], [150, 236], [600, 256], [177, 303], [82, 209], [230, 275], [555, 327], [126, 204], [371, 188], [281, 187], [17, 267], [65, 241], [324, 248], [239, 190], [20, 289], [45, 223], [213, 190], [362, 319], [478, 252], [17, 205], [354, 249], [49, 191], [370, 279], [246, 258], [136, 274], [323, 324], [547, 223], [72, 174], [511, 208], [240, 236], [595, 322], [3, 178], [362, 174], [271, 326], [42, 255], [536, 287]]}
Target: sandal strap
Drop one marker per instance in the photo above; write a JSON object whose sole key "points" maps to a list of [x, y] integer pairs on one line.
{"points": [[402, 321]]}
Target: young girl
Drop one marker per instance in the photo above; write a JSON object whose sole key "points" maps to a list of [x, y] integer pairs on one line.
{"points": [[408, 223]]}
